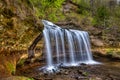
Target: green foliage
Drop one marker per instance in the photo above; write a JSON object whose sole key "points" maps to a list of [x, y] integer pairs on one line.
{"points": [[84, 7], [76, 1], [84, 3], [48, 9], [101, 17], [115, 15], [102, 13], [117, 11]]}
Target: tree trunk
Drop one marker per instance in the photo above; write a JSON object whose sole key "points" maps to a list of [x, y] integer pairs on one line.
{"points": [[33, 45]]}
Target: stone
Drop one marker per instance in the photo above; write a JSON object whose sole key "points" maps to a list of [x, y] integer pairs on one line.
{"points": [[83, 64], [97, 42], [80, 71], [66, 73]]}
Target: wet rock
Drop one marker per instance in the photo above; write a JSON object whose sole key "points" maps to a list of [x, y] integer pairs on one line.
{"points": [[81, 78], [41, 74], [45, 74], [112, 77], [83, 64], [96, 78], [66, 73], [80, 71], [63, 71], [58, 73], [85, 74], [48, 79]]}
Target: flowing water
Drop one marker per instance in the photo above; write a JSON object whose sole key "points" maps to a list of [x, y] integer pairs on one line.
{"points": [[71, 47]]}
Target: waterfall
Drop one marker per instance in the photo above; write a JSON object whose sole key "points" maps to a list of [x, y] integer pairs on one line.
{"points": [[70, 47]]}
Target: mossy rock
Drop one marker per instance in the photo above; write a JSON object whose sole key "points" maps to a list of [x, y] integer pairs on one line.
{"points": [[8, 62]]}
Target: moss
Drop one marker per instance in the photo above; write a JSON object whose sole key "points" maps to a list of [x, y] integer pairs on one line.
{"points": [[21, 62], [85, 73], [109, 51], [11, 67]]}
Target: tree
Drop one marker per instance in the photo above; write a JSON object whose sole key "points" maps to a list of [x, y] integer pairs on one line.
{"points": [[47, 9], [101, 16]]}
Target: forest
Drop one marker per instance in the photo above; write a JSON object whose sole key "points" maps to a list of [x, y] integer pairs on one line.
{"points": [[85, 31]]}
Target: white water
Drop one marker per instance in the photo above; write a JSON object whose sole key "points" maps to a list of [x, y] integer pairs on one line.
{"points": [[71, 47]]}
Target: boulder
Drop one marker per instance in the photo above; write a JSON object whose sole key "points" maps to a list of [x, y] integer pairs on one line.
{"points": [[97, 42]]}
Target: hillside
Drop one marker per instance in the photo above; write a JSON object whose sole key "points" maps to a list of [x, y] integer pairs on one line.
{"points": [[18, 24], [21, 21]]}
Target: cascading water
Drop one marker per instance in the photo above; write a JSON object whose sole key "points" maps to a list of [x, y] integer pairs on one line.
{"points": [[71, 47]]}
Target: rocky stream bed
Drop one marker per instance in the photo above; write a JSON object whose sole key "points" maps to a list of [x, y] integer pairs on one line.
{"points": [[108, 70]]}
